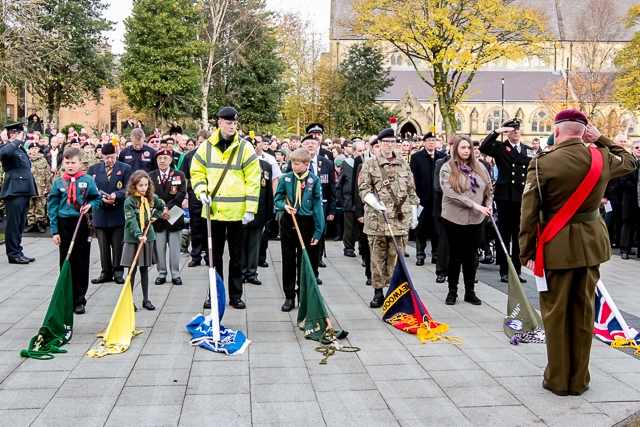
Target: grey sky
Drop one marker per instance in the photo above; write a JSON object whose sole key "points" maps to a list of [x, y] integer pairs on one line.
{"points": [[318, 11]]}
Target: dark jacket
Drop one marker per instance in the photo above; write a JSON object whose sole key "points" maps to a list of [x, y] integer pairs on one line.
{"points": [[512, 167], [437, 187], [344, 186], [613, 193], [265, 203], [172, 193], [144, 159], [423, 169], [629, 183], [18, 179], [195, 206], [110, 215]]}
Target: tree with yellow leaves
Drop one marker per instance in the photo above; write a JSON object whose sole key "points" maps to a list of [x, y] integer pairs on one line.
{"points": [[627, 89], [447, 41]]}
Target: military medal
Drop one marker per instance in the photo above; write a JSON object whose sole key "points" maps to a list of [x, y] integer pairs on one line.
{"points": [[264, 182], [119, 185]]}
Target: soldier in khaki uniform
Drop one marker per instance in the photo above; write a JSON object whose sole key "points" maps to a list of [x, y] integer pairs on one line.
{"points": [[390, 176], [572, 258], [37, 216]]}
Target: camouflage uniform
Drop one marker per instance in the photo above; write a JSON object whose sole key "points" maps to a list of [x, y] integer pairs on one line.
{"points": [[383, 251], [42, 175]]}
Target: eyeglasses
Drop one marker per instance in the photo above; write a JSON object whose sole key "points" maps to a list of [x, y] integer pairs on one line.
{"points": [[387, 141]]}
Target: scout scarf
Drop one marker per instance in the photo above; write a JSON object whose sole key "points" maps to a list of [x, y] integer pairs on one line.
{"points": [[144, 209], [468, 170], [299, 187], [71, 194]]}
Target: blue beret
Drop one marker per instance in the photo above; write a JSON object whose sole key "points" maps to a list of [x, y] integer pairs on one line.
{"points": [[386, 133], [228, 113]]}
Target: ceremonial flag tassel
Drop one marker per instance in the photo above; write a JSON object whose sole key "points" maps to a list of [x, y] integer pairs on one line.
{"points": [[610, 326], [57, 327], [522, 322]]}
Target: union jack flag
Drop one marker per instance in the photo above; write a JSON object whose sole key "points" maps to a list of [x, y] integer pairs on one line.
{"points": [[607, 325]]}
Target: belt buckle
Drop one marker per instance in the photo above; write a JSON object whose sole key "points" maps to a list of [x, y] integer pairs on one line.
{"points": [[385, 182]]}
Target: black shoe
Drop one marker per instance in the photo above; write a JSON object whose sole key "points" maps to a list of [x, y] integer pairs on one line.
{"points": [[288, 305], [19, 260], [624, 256], [28, 259], [472, 298], [148, 305], [160, 281], [578, 393], [369, 282], [318, 281], [406, 254], [237, 303], [321, 264], [522, 279], [31, 229], [419, 262], [134, 307], [504, 278], [434, 260], [350, 253], [441, 279], [102, 279], [632, 252], [119, 280], [475, 280], [41, 228], [556, 392], [278, 237], [194, 263], [80, 309], [254, 281], [378, 299], [451, 298], [263, 264], [364, 264], [337, 238], [207, 304], [177, 281]]}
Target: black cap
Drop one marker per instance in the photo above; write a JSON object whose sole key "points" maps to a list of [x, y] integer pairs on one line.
{"points": [[428, 135], [386, 133], [108, 149], [315, 128], [309, 137], [476, 143], [374, 142], [15, 127], [512, 123], [228, 113], [356, 139]]}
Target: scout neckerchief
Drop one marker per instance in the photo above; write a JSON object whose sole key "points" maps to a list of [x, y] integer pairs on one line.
{"points": [[71, 193], [469, 170], [565, 213], [144, 209], [299, 187], [385, 184]]}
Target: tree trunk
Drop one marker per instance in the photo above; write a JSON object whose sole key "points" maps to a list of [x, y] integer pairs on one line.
{"points": [[3, 103], [204, 108]]}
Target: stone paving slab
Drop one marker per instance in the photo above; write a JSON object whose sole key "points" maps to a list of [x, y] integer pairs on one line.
{"points": [[393, 381]]}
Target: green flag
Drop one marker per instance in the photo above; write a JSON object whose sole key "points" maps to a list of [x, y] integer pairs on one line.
{"points": [[57, 328], [522, 322], [312, 313]]}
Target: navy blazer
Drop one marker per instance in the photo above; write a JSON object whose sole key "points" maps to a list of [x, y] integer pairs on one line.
{"points": [[18, 179], [110, 215]]}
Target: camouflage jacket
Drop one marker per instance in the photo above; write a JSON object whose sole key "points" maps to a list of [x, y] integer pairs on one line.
{"points": [[41, 174], [400, 183]]}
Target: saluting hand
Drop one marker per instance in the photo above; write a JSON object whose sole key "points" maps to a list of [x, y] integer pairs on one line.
{"points": [[504, 129], [591, 134]]}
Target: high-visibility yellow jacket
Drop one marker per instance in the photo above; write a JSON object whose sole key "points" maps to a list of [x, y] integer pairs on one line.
{"points": [[240, 190]]}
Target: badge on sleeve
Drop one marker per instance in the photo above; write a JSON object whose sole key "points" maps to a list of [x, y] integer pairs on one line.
{"points": [[119, 185]]}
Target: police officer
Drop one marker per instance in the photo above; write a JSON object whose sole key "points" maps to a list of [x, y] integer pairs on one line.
{"points": [[388, 175], [572, 258], [37, 216], [139, 155], [17, 189], [512, 158], [236, 201], [111, 178]]}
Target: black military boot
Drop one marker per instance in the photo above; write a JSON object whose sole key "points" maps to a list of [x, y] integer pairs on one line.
{"points": [[41, 228], [470, 295], [378, 299]]}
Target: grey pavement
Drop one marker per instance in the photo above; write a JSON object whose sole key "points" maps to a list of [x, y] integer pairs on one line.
{"points": [[393, 380]]}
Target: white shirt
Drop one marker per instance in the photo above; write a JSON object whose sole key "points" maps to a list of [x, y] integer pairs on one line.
{"points": [[517, 147], [54, 158], [314, 161], [276, 172]]}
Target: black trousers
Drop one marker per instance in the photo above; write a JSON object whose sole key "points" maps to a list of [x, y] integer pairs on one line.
{"points": [[292, 251], [17, 208], [365, 251], [110, 241], [230, 232], [463, 252], [509, 227], [442, 265], [80, 259], [629, 228], [198, 237], [264, 244], [250, 247], [615, 224], [427, 229], [349, 234]]}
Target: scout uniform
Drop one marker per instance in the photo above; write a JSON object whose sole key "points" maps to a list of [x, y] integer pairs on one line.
{"points": [[393, 181], [573, 256], [37, 216]]}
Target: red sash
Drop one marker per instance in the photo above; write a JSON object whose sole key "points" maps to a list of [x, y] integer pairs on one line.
{"points": [[567, 211]]}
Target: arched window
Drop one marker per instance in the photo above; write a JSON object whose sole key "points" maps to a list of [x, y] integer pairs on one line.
{"points": [[494, 119], [458, 125], [629, 122], [541, 122], [393, 59]]}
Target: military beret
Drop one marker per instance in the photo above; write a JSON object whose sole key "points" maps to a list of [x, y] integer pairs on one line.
{"points": [[551, 140], [338, 162], [386, 133], [512, 123], [428, 135], [374, 142], [228, 113], [153, 136], [571, 116], [309, 137], [315, 128], [164, 152], [108, 149], [15, 127]]}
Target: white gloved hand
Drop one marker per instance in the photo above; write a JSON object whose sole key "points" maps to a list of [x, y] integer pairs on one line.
{"points": [[247, 218], [205, 198], [414, 217], [373, 201]]}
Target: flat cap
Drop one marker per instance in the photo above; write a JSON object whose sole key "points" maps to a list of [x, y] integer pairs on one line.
{"points": [[15, 127], [164, 152], [571, 116], [315, 128], [386, 133], [228, 113]]}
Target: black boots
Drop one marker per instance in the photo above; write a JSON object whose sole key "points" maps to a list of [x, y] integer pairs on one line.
{"points": [[472, 298], [288, 305], [378, 299], [452, 296]]}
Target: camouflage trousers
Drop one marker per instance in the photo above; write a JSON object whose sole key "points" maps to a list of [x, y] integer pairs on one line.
{"points": [[2, 209], [37, 210], [383, 258]]}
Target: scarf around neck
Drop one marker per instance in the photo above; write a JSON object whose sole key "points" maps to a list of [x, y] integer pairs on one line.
{"points": [[299, 187], [474, 182], [71, 196], [145, 210]]}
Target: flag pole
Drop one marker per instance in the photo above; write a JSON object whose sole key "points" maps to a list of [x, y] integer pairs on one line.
{"points": [[504, 247], [212, 296], [75, 234], [614, 310], [140, 246]]}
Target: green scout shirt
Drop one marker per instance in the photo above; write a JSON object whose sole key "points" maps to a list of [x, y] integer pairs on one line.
{"points": [[311, 198], [132, 231], [57, 206]]}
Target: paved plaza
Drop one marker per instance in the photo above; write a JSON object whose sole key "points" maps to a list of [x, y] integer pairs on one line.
{"points": [[393, 380]]}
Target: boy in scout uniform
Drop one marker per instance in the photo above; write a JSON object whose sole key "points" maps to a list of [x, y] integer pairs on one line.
{"points": [[37, 216], [571, 258], [388, 175]]}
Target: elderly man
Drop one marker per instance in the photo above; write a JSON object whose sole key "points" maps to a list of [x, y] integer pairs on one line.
{"points": [[614, 195], [139, 156], [344, 192], [569, 257], [630, 209]]}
